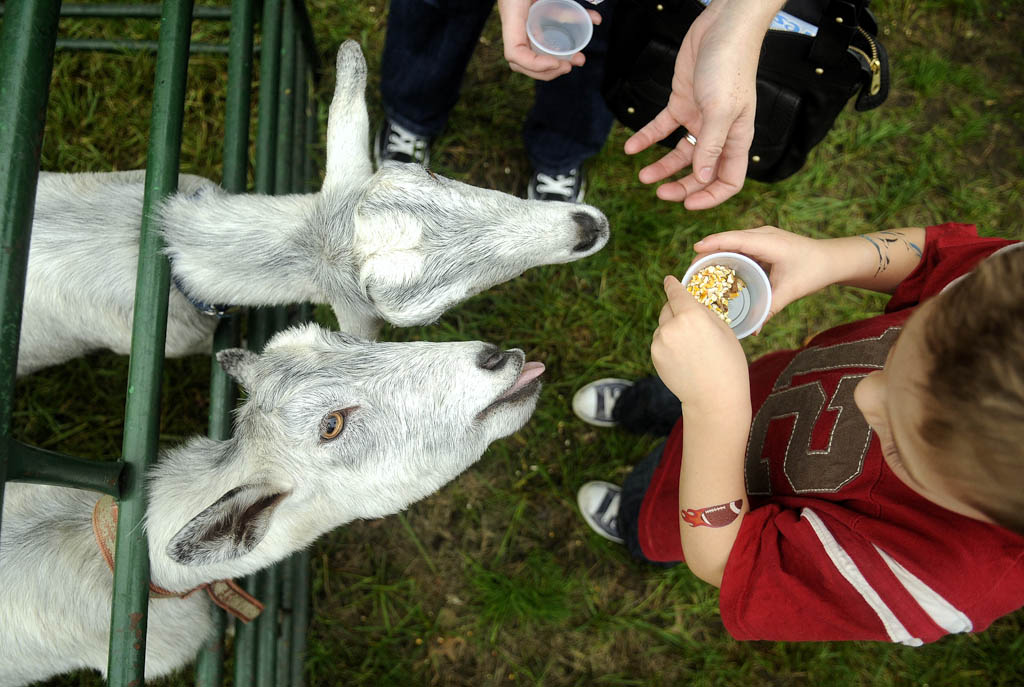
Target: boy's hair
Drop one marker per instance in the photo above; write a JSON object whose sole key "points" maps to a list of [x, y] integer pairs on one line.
{"points": [[974, 394]]}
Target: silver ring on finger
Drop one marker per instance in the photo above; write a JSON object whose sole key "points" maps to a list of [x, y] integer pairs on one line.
{"points": [[691, 138]]}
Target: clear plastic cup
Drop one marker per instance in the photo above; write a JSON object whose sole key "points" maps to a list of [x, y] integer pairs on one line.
{"points": [[749, 309], [559, 28]]}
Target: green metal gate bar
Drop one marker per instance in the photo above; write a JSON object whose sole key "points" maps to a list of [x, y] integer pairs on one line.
{"points": [[26, 61], [210, 663], [31, 464], [126, 11], [261, 327], [128, 618], [271, 630], [121, 46], [283, 165]]}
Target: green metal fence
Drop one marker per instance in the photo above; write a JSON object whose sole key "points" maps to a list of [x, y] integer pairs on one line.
{"points": [[270, 650]]}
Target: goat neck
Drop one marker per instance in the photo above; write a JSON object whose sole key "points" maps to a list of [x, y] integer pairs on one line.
{"points": [[259, 250]]}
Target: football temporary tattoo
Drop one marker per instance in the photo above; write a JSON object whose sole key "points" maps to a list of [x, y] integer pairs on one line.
{"points": [[713, 516]]}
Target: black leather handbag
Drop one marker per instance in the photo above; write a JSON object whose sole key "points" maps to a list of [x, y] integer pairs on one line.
{"points": [[803, 81]]}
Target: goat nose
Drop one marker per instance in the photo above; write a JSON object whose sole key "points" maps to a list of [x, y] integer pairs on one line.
{"points": [[588, 230], [491, 358]]}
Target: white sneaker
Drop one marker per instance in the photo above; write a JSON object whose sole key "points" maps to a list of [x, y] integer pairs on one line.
{"points": [[594, 402], [599, 505]]}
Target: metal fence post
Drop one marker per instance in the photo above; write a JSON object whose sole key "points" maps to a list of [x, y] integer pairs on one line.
{"points": [[260, 319], [26, 61], [298, 586], [129, 610], [247, 643], [210, 662], [278, 157]]}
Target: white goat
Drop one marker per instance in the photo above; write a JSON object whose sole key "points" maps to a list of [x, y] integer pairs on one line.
{"points": [[334, 428], [402, 245]]}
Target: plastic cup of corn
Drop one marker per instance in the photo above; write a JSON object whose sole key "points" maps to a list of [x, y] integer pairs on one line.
{"points": [[734, 287]]}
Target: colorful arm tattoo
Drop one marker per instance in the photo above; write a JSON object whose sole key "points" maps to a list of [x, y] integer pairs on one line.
{"points": [[713, 516], [883, 240]]}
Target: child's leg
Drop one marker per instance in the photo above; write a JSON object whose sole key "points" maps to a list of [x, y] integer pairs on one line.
{"points": [[613, 511], [633, 490], [648, 407], [645, 406]]}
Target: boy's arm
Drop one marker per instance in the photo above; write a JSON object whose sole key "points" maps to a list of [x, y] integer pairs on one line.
{"points": [[712, 493], [799, 265], [878, 261], [701, 361]]}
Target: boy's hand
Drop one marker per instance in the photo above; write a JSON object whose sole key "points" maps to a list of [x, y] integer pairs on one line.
{"points": [[796, 265], [698, 357]]}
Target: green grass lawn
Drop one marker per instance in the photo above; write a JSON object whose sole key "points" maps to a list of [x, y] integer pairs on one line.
{"points": [[496, 580]]}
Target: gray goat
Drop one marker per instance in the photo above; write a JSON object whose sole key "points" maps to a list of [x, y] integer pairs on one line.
{"points": [[334, 428], [401, 245]]}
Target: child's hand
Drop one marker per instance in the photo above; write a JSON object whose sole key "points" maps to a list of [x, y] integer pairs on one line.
{"points": [[698, 357], [796, 265]]}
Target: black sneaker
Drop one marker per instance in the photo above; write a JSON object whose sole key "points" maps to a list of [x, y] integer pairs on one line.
{"points": [[398, 144], [599, 505], [567, 186]]}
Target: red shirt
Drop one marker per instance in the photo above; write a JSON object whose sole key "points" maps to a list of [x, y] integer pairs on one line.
{"points": [[835, 546]]}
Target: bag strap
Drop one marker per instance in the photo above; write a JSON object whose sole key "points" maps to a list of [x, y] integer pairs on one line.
{"points": [[835, 31]]}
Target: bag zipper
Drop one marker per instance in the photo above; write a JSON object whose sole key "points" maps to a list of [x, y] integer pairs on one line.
{"points": [[873, 62]]}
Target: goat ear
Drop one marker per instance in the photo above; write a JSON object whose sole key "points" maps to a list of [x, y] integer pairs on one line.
{"points": [[229, 529], [348, 124], [239, 364]]}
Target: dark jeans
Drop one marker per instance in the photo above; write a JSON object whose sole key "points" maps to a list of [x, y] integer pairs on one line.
{"points": [[428, 45], [633, 490]]}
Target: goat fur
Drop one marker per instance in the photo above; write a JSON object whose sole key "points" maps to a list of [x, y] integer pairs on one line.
{"points": [[401, 245], [416, 415]]}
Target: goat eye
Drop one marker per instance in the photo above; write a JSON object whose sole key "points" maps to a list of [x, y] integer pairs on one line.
{"points": [[331, 425]]}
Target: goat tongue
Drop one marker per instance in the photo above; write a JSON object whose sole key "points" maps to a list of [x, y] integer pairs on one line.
{"points": [[530, 372]]}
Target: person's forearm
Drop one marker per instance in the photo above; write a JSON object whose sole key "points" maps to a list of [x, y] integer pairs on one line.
{"points": [[753, 13], [878, 261], [712, 491]]}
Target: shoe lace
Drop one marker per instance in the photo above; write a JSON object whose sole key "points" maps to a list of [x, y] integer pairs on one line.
{"points": [[560, 184], [612, 393], [606, 398], [608, 513], [404, 141]]}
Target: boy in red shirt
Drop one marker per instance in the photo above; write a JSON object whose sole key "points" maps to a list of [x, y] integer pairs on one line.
{"points": [[866, 486]]}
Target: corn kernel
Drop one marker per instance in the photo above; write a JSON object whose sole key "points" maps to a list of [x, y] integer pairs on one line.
{"points": [[714, 286]]}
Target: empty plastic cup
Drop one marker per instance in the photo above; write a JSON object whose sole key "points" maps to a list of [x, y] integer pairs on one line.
{"points": [[559, 28], [749, 310]]}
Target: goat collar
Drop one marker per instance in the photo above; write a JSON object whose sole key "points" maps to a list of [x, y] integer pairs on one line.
{"points": [[212, 309], [225, 593]]}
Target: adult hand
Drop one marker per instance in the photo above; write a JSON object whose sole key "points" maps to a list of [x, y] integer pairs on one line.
{"points": [[521, 57], [698, 357], [713, 96], [796, 265]]}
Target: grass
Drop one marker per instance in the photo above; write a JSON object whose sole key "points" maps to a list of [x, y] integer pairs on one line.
{"points": [[496, 580]]}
